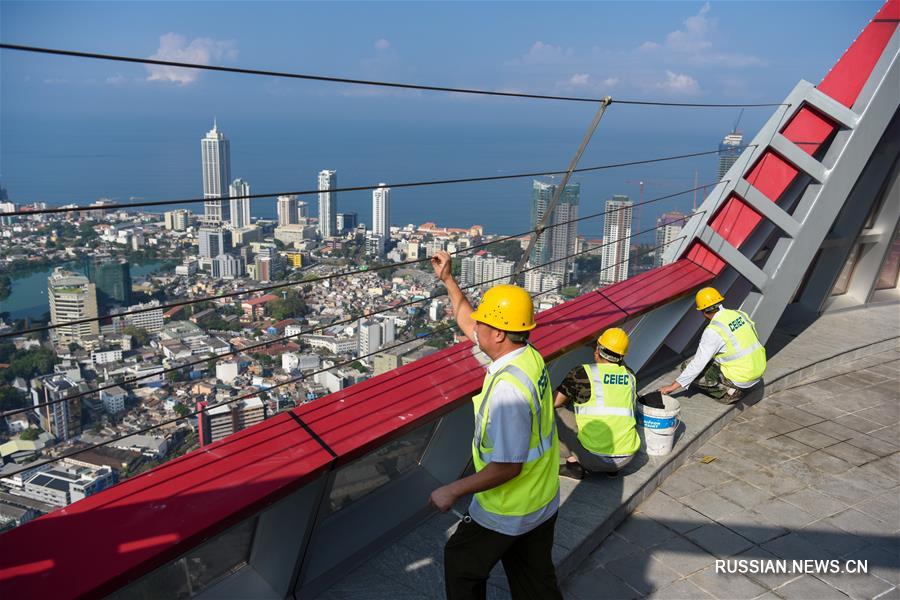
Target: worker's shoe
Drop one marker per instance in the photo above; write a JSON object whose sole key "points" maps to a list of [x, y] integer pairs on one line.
{"points": [[572, 470], [730, 396]]}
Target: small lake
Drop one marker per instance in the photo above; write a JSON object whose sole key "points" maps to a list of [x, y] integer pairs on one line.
{"points": [[29, 290]]}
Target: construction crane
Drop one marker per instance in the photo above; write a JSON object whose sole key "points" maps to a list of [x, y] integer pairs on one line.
{"points": [[642, 183]]}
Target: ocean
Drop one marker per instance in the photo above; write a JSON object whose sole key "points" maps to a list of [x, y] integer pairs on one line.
{"points": [[61, 161]]}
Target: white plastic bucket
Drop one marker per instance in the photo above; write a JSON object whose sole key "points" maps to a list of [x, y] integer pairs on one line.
{"points": [[659, 425]]}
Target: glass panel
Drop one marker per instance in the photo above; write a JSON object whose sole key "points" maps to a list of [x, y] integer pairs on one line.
{"points": [[372, 471], [887, 277], [169, 581], [197, 570], [220, 556], [843, 280]]}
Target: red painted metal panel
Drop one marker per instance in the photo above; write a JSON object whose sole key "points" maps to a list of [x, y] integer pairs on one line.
{"points": [[771, 175], [809, 130], [699, 254], [735, 221], [101, 543], [845, 81], [651, 289]]}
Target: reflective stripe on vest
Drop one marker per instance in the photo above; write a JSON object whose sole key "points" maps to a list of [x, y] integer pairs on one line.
{"points": [[606, 425], [545, 441], [744, 358], [525, 500]]}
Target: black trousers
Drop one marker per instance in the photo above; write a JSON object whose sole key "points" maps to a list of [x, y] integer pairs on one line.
{"points": [[473, 550]]}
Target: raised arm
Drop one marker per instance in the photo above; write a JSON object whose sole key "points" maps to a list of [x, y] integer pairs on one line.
{"points": [[462, 309]]}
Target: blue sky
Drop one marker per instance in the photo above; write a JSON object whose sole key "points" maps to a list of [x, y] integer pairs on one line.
{"points": [[117, 130], [725, 51]]}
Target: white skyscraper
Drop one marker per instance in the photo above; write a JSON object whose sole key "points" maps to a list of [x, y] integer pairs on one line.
{"points": [[381, 210], [240, 207], [616, 240], [484, 270], [729, 151], [668, 227], [72, 298], [327, 204], [287, 210], [216, 155]]}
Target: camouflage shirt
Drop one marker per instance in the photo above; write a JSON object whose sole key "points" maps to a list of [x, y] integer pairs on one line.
{"points": [[577, 385]]}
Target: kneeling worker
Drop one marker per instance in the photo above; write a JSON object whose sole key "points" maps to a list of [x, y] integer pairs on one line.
{"points": [[600, 434], [515, 451], [730, 355]]}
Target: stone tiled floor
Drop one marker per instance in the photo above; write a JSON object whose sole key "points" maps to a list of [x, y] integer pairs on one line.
{"points": [[812, 472]]}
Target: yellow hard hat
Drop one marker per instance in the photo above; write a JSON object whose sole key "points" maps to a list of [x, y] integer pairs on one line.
{"points": [[615, 340], [707, 297], [506, 307]]}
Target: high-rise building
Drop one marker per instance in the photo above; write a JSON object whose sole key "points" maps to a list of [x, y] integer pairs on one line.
{"points": [[369, 338], [227, 266], [381, 210], [347, 222], [302, 209], [327, 204], [61, 419], [215, 153], [150, 318], [287, 210], [485, 270], [112, 279], [616, 240], [668, 227], [213, 242], [269, 265], [177, 220], [221, 421], [72, 297], [558, 243], [240, 207], [729, 151]]}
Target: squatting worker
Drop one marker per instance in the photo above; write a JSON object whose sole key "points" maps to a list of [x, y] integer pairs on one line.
{"points": [[730, 356], [515, 450], [595, 411]]}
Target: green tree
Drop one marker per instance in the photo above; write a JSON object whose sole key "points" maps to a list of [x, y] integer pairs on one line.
{"points": [[11, 398], [29, 435], [508, 249], [140, 335], [292, 305], [5, 286], [182, 410], [36, 361]]}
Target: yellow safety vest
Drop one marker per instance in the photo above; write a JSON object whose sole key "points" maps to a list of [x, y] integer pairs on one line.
{"points": [[538, 483], [606, 424], [744, 358]]}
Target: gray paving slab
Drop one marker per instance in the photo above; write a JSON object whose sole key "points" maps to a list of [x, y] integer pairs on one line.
{"points": [[815, 503], [718, 540], [743, 494], [672, 513], [645, 576], [753, 526], [723, 585], [595, 583], [853, 455], [860, 587], [808, 587], [682, 556], [680, 590]]}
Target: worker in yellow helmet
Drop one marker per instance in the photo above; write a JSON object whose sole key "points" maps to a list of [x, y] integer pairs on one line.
{"points": [[730, 355], [515, 451], [595, 411]]}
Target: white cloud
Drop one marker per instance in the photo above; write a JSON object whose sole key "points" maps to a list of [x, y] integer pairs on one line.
{"points": [[55, 81], [175, 47], [546, 54], [116, 79], [679, 84], [579, 79], [692, 45], [610, 82], [382, 44]]}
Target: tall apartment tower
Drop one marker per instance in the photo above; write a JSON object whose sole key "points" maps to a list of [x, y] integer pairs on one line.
{"points": [[729, 151], [327, 204], [287, 210], [381, 210], [240, 207], [215, 153], [61, 419], [72, 297], [616, 240], [560, 239], [213, 242], [668, 227], [112, 279]]}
